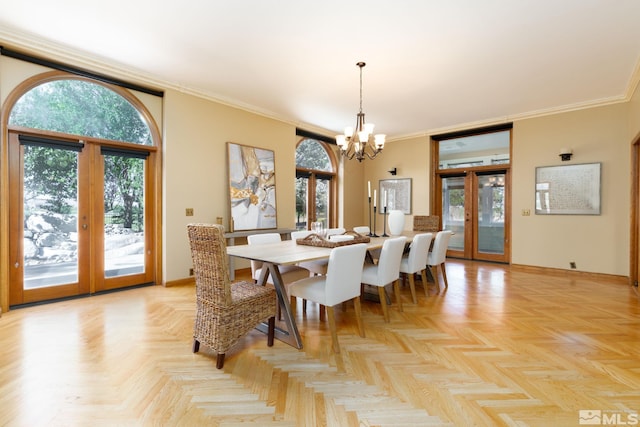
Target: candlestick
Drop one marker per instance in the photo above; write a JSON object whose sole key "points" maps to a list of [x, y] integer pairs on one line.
{"points": [[370, 215], [373, 231], [369, 187], [375, 197], [384, 233]]}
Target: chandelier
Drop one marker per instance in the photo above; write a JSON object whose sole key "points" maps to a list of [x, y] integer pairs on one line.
{"points": [[360, 142]]}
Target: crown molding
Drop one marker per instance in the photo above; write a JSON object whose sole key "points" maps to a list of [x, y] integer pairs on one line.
{"points": [[49, 50]]}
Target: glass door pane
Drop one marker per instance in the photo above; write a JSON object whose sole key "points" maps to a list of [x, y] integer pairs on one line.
{"points": [[322, 201], [50, 210], [302, 212], [491, 213], [124, 231], [453, 210]]}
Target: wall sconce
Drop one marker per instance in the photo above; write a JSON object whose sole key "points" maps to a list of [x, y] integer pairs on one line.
{"points": [[393, 171], [565, 154]]}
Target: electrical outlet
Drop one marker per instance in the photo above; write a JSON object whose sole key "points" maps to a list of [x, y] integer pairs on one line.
{"points": [[526, 212], [191, 272], [189, 212], [572, 264]]}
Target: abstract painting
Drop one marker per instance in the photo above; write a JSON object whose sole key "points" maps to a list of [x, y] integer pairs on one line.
{"points": [[252, 187]]}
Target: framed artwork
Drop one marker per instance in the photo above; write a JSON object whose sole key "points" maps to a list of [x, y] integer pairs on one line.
{"points": [[252, 187], [395, 194], [568, 190]]}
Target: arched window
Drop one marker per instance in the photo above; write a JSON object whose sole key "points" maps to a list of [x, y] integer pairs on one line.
{"points": [[80, 107], [315, 184], [84, 157]]}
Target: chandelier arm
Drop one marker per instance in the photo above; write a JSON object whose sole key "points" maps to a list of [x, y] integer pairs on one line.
{"points": [[375, 154]]}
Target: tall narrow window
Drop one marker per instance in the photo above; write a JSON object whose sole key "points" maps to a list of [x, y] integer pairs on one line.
{"points": [[315, 184]]}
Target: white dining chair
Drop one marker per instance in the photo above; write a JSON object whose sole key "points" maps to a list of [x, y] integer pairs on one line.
{"points": [[340, 284], [386, 271], [289, 273], [438, 256], [416, 262]]}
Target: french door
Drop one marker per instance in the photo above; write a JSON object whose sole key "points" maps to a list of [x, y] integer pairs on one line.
{"points": [[474, 205], [77, 218], [313, 199]]}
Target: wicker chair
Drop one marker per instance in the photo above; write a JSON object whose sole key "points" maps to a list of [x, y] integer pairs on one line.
{"points": [[225, 311], [428, 223]]}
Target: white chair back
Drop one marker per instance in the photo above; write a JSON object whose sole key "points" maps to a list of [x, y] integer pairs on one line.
{"points": [[363, 229], [439, 252], [389, 261], [344, 272], [300, 234], [418, 253], [260, 239]]}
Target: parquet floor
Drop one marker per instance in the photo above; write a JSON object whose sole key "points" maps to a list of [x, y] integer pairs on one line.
{"points": [[500, 347]]}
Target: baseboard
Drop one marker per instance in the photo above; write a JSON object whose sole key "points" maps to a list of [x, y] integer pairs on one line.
{"points": [[611, 278], [241, 274], [180, 282]]}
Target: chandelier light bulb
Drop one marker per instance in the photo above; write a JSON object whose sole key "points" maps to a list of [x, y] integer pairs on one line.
{"points": [[368, 127], [348, 131]]}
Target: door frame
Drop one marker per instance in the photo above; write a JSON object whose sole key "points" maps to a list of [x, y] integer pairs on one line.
{"points": [[634, 238], [16, 231], [91, 278]]}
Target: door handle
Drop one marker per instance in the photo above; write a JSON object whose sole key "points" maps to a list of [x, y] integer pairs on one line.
{"points": [[84, 226]]}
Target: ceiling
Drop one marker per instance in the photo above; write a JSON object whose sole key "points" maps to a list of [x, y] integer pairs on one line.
{"points": [[432, 66]]}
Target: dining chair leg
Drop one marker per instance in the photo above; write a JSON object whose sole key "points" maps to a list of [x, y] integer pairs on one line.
{"points": [[358, 310], [220, 361], [383, 303], [412, 287], [396, 287], [293, 303], [332, 327], [423, 275], [271, 331], [434, 273], [444, 275], [322, 310]]}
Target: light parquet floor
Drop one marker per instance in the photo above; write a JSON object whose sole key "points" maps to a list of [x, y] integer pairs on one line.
{"points": [[500, 346]]}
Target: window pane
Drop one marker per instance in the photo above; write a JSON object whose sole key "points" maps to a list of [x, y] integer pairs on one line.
{"points": [[310, 154], [51, 217], [453, 212], [123, 216], [81, 108], [322, 201], [302, 217], [475, 150], [491, 213]]}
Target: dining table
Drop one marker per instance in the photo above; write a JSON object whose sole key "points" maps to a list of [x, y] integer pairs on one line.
{"points": [[289, 252]]}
